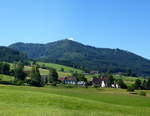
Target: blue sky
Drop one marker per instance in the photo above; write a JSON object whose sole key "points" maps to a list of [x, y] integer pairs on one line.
{"points": [[123, 24]]}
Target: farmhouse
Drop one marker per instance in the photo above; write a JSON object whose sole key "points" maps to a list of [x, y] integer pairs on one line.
{"points": [[68, 80], [44, 78], [71, 80], [94, 72], [103, 82], [96, 82]]}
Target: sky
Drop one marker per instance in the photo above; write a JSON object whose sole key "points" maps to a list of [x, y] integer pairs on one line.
{"points": [[123, 24]]}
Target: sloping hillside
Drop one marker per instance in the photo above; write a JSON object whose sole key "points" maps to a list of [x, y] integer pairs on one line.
{"points": [[75, 54]]}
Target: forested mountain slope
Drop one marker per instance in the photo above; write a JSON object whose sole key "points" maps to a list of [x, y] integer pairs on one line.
{"points": [[75, 54]]}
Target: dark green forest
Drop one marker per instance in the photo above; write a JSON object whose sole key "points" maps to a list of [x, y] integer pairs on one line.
{"points": [[85, 57], [9, 55]]}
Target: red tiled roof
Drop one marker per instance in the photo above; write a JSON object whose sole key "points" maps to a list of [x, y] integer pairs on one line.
{"points": [[67, 78]]}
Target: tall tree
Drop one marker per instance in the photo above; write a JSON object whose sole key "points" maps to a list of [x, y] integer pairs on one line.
{"points": [[144, 84], [53, 75], [79, 76], [111, 80], [5, 68], [121, 84], [19, 72], [36, 77], [138, 84], [148, 84]]}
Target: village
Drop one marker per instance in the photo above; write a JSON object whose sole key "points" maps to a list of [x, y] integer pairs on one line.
{"points": [[102, 80]]}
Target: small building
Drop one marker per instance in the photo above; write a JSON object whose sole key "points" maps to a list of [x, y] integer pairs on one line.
{"points": [[71, 80], [103, 82], [44, 78], [82, 83], [96, 82], [68, 80], [94, 72]]}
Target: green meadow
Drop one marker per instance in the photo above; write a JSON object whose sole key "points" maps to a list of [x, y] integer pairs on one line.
{"points": [[59, 67], [67, 70], [60, 101], [64, 101]]}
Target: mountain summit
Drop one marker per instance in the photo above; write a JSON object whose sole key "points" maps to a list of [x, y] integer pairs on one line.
{"points": [[75, 54]]}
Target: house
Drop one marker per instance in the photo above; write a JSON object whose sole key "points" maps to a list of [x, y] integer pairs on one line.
{"points": [[68, 80], [115, 85], [103, 82], [71, 80], [82, 83], [44, 78], [94, 72], [96, 82]]}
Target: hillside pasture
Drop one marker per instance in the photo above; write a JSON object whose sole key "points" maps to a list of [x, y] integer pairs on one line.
{"points": [[59, 67], [46, 72], [59, 101], [6, 79]]}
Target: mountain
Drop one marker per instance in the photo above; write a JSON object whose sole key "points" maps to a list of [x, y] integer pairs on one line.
{"points": [[10, 55], [75, 54]]}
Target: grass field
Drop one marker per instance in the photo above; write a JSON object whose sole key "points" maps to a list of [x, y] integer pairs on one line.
{"points": [[46, 72], [58, 67], [129, 80], [6, 78], [58, 101]]}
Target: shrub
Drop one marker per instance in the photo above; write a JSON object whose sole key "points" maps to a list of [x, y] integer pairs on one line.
{"points": [[18, 82], [95, 86], [142, 93], [54, 84], [131, 89]]}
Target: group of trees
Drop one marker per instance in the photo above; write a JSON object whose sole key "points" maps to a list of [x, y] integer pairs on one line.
{"points": [[111, 80], [142, 85], [34, 75], [79, 76], [145, 84], [35, 78]]}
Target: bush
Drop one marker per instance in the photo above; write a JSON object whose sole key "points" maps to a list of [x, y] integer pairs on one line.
{"points": [[131, 89], [18, 82], [121, 84], [96, 86], [142, 93], [54, 84]]}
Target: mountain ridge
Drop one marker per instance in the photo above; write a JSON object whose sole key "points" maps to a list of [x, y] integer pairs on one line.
{"points": [[75, 54]]}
